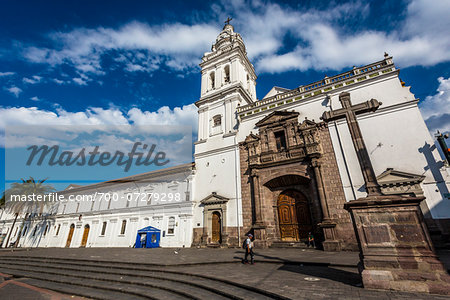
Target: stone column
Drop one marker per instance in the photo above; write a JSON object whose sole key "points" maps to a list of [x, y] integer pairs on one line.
{"points": [[328, 226], [258, 227]]}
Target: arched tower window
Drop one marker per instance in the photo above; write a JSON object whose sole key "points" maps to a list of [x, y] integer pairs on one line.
{"points": [[212, 80], [226, 78]]}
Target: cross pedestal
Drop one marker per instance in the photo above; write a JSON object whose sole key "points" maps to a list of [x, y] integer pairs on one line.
{"points": [[395, 247]]}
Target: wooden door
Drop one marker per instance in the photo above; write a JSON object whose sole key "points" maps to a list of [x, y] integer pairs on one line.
{"points": [[69, 237], [216, 228], [85, 236], [303, 217], [293, 216]]}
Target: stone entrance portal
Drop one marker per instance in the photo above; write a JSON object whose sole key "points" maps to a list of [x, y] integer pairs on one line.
{"points": [[294, 216], [291, 184]]}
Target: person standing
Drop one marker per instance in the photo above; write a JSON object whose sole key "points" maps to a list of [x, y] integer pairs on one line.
{"points": [[248, 246]]}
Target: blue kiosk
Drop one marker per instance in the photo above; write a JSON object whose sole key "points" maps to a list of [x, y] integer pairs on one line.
{"points": [[148, 237]]}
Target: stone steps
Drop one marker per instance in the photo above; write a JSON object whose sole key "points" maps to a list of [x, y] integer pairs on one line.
{"points": [[120, 279]]}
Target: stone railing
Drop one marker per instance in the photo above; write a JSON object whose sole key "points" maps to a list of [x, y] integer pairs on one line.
{"points": [[354, 76]]}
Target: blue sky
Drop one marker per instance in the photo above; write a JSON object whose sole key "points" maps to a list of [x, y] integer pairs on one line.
{"points": [[136, 62]]}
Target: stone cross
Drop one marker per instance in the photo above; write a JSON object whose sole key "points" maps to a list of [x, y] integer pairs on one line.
{"points": [[228, 20], [349, 112]]}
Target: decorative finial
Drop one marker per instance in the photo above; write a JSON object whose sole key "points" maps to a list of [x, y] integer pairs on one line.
{"points": [[228, 20], [386, 55]]}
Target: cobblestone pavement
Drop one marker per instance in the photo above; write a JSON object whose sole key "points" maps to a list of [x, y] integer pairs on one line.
{"points": [[292, 273], [173, 256], [302, 282]]}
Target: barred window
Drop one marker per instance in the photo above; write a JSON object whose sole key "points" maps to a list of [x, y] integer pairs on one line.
{"points": [[171, 227]]}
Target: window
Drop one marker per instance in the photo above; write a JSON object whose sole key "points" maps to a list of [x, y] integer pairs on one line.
{"points": [[171, 227], [24, 231], [34, 231], [103, 228], [226, 78], [212, 80], [46, 228], [217, 121], [129, 196], [124, 226], [15, 233], [280, 140], [57, 230], [92, 204]]}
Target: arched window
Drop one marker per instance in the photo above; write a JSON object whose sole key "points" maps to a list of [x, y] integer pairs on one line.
{"points": [[171, 227], [217, 121], [124, 226], [212, 80], [226, 77]]}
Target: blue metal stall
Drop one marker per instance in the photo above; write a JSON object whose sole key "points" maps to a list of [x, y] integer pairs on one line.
{"points": [[148, 237]]}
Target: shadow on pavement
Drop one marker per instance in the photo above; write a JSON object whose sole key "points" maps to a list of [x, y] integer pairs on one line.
{"points": [[330, 273]]}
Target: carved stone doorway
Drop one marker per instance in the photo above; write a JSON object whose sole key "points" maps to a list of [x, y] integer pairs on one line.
{"points": [[69, 237], [293, 216], [216, 228], [85, 236]]}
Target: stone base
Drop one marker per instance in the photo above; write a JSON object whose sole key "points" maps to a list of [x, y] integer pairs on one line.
{"points": [[396, 249], [330, 243], [332, 246]]}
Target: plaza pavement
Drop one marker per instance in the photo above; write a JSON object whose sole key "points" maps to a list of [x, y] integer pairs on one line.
{"points": [[289, 273]]}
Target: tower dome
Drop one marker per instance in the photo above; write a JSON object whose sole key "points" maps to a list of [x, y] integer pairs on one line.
{"points": [[228, 39]]}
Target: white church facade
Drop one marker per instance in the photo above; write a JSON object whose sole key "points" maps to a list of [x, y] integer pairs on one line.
{"points": [[277, 167]]}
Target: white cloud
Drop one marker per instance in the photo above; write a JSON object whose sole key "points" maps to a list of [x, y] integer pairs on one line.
{"points": [[318, 39], [186, 115], [4, 74], [321, 41], [33, 80], [79, 81], [14, 90], [148, 46], [57, 81], [18, 116], [35, 98], [436, 109]]}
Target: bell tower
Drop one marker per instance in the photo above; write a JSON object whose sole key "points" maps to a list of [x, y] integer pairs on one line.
{"points": [[228, 80]]}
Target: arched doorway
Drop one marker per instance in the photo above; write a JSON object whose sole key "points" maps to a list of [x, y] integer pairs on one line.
{"points": [[69, 237], [293, 216], [85, 235], [216, 228]]}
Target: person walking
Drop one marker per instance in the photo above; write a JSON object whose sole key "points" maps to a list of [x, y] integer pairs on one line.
{"points": [[248, 247]]}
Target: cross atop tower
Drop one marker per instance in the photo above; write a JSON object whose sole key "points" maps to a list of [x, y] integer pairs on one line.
{"points": [[228, 20]]}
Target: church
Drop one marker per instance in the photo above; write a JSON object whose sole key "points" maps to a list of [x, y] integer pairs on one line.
{"points": [[280, 167]]}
